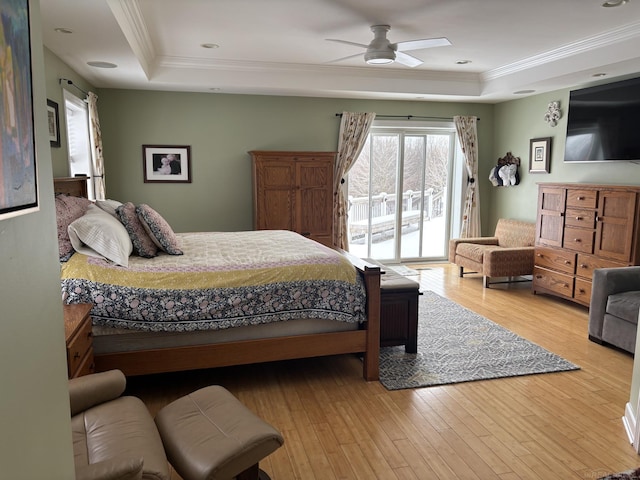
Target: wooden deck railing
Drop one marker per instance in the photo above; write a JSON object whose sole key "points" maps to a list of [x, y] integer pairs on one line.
{"points": [[383, 209]]}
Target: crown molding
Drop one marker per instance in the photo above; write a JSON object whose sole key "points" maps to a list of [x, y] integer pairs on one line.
{"points": [[130, 19], [606, 39]]}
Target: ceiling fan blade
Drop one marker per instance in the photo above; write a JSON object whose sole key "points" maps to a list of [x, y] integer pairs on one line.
{"points": [[347, 43], [408, 60], [345, 58], [420, 44]]}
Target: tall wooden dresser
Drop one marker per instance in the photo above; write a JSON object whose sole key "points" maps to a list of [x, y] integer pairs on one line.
{"points": [[581, 227], [294, 191]]}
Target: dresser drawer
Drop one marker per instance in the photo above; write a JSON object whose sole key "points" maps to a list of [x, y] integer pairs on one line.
{"points": [[586, 264], [555, 259], [582, 293], [580, 218], [578, 239], [78, 346], [582, 198], [556, 282], [87, 364]]}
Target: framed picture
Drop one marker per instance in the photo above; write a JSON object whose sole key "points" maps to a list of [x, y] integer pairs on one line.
{"points": [[54, 123], [166, 164], [18, 179], [539, 155]]}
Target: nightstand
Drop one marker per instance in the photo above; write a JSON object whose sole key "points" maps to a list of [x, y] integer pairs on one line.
{"points": [[77, 332]]}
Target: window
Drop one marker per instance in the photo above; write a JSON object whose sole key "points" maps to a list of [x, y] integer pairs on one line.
{"points": [[400, 192], [78, 140]]}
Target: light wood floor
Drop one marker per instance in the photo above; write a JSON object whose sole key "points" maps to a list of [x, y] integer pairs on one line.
{"points": [[337, 426]]}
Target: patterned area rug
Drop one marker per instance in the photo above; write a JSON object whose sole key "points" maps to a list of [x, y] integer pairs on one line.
{"points": [[628, 475], [457, 345]]}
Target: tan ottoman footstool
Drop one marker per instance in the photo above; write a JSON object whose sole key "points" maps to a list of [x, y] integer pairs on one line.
{"points": [[209, 435]]}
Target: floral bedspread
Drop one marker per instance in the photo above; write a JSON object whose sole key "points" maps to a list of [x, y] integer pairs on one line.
{"points": [[224, 279]]}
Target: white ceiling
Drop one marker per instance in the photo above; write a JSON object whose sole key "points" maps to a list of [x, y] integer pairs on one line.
{"points": [[279, 47]]}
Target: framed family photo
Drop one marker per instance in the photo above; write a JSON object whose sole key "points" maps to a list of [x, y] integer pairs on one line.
{"points": [[539, 155], [166, 163], [18, 174]]}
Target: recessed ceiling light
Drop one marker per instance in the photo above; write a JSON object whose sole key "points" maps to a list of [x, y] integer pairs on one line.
{"points": [[63, 30], [102, 64], [522, 92], [215, 89], [462, 62], [210, 45], [614, 3], [599, 75]]}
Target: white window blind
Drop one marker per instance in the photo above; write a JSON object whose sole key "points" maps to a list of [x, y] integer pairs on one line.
{"points": [[78, 141]]}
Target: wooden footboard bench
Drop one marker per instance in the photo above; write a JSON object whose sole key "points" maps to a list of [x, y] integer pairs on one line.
{"points": [[398, 309]]}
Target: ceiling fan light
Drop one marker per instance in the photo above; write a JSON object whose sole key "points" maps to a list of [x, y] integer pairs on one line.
{"points": [[379, 57], [379, 61]]}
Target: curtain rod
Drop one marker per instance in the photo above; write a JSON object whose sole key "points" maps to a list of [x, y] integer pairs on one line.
{"points": [[70, 82], [409, 117]]}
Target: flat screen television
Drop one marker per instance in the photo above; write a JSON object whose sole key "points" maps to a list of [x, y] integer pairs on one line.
{"points": [[603, 123]]}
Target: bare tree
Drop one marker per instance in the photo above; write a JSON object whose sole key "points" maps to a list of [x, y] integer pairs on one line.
{"points": [[437, 163], [428, 154]]}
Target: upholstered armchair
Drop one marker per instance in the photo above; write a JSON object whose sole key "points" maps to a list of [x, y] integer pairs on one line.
{"points": [[508, 253], [615, 302]]}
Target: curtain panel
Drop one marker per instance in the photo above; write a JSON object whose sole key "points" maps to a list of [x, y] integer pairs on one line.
{"points": [[97, 158], [466, 127], [354, 129]]}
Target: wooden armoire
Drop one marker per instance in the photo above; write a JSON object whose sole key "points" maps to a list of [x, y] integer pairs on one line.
{"points": [[581, 227], [294, 191]]}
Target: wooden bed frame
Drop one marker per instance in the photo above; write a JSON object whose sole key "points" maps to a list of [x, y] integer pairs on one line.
{"points": [[365, 341]]}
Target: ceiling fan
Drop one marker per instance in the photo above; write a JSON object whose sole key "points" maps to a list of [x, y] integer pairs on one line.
{"points": [[381, 51]]}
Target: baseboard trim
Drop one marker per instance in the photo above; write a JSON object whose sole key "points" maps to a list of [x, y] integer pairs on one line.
{"points": [[629, 422]]}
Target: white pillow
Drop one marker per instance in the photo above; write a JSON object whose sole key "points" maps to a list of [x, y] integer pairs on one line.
{"points": [[109, 206], [98, 234]]}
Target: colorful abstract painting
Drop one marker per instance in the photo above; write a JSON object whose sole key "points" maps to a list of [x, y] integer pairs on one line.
{"points": [[18, 188]]}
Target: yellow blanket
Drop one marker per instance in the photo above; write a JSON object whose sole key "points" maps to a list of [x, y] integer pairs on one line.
{"points": [[223, 279]]}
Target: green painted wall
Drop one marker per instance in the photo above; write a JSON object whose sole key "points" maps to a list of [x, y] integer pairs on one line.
{"points": [[221, 129], [35, 442]]}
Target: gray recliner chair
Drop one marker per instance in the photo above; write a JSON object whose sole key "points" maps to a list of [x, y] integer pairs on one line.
{"points": [[615, 303]]}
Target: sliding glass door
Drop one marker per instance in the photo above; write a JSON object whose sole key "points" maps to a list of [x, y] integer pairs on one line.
{"points": [[398, 195]]}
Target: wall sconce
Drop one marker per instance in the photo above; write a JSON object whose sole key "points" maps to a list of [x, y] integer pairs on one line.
{"points": [[553, 113]]}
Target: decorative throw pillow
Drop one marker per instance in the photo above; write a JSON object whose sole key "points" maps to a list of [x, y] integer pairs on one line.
{"points": [[142, 243], [98, 234], [109, 206], [158, 229], [68, 209]]}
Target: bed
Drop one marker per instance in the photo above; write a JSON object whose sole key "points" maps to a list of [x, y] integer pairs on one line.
{"points": [[186, 328]]}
